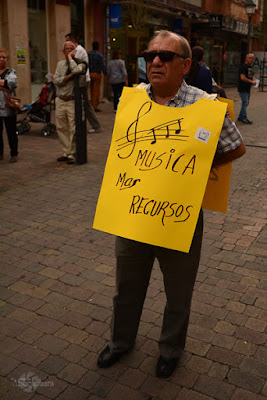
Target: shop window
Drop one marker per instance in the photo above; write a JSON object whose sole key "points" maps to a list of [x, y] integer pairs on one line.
{"points": [[37, 44]]}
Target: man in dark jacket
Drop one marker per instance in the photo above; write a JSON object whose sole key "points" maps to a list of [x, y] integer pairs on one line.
{"points": [[96, 66]]}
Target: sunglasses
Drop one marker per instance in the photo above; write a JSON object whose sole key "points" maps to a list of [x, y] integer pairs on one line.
{"points": [[164, 56]]}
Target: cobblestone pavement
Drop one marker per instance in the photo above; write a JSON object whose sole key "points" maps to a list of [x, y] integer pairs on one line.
{"points": [[57, 282]]}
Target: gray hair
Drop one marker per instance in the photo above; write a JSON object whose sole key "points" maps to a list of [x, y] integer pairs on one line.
{"points": [[185, 46]]}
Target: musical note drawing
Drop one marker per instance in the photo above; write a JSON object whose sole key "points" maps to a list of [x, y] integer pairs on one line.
{"points": [[168, 130]]}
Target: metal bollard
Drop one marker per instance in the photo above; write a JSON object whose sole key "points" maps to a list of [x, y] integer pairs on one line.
{"points": [[80, 122]]}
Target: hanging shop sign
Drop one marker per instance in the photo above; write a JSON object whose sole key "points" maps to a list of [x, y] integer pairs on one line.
{"points": [[115, 15]]}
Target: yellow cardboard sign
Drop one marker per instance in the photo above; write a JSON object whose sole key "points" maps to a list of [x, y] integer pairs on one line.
{"points": [[216, 195], [157, 169]]}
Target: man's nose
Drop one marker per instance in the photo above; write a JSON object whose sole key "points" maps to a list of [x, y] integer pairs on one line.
{"points": [[157, 61]]}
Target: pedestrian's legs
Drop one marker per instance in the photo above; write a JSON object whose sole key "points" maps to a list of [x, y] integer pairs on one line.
{"points": [[62, 124], [89, 112], [179, 273], [243, 112], [95, 88], [134, 264], [1, 137], [117, 89], [10, 124], [72, 129]]}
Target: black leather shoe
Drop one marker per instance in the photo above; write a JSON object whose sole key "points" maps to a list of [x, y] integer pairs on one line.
{"points": [[62, 158], [70, 161], [245, 121], [166, 367], [107, 358]]}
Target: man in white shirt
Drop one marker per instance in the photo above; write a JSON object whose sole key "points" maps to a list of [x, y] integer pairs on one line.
{"points": [[81, 54]]}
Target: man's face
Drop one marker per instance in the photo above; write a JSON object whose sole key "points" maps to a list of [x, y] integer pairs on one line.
{"points": [[250, 59], [167, 76], [68, 48]]}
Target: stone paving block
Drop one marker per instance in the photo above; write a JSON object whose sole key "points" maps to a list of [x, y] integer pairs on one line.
{"points": [[51, 272], [244, 347], [132, 378], [46, 325], [6, 309], [214, 388], [97, 328], [52, 387], [74, 392], [224, 341], [225, 328], [72, 373], [186, 394], [197, 332], [52, 311], [245, 380], [224, 356], [197, 347], [71, 334], [253, 366], [251, 335], [22, 315], [257, 324], [10, 328], [81, 307], [32, 304], [71, 291], [77, 320], [218, 371], [71, 279], [7, 364], [51, 344], [245, 395], [101, 300], [58, 299], [101, 314], [160, 389], [89, 380], [52, 365], [74, 353], [199, 364], [6, 293], [9, 345], [94, 343], [103, 387], [30, 355]]}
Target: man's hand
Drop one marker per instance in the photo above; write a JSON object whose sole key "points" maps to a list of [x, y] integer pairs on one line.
{"points": [[67, 77], [71, 55]]}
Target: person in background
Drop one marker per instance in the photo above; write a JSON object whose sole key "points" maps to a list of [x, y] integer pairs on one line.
{"points": [[168, 60], [246, 80], [65, 101], [117, 76], [81, 54], [8, 83], [96, 66], [199, 74]]}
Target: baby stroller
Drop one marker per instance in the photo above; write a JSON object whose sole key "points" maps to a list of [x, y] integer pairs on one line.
{"points": [[38, 111]]}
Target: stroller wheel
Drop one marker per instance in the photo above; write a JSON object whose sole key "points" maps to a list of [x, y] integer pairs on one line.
{"points": [[20, 130], [28, 127], [46, 131]]}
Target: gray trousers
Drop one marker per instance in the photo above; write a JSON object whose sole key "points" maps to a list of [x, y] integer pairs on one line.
{"points": [[134, 265], [89, 111]]}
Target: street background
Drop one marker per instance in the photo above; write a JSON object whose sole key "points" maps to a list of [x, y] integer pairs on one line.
{"points": [[57, 282]]}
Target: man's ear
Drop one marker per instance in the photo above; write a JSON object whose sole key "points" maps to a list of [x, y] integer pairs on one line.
{"points": [[187, 65]]}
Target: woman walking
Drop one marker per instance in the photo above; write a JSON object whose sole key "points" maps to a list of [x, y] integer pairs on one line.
{"points": [[8, 82], [117, 76]]}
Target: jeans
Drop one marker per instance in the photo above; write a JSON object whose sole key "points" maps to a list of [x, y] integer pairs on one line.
{"points": [[117, 89], [245, 100], [10, 124]]}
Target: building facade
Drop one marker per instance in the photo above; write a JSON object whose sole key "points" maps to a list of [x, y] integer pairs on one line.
{"points": [[34, 31]]}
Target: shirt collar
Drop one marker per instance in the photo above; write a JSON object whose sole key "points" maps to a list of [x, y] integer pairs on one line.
{"points": [[180, 95]]}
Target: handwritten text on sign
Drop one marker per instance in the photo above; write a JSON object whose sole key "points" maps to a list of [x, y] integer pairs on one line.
{"points": [[157, 169]]}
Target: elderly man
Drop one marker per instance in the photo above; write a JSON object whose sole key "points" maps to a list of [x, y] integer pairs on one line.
{"points": [[246, 80], [65, 104], [168, 61], [81, 53]]}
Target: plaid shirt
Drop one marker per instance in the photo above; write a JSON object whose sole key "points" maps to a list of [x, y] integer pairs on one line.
{"points": [[230, 137]]}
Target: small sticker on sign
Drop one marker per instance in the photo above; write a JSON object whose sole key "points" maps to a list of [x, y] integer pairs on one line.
{"points": [[202, 134]]}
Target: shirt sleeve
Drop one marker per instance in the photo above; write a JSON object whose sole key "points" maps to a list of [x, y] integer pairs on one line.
{"points": [[230, 137]]}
